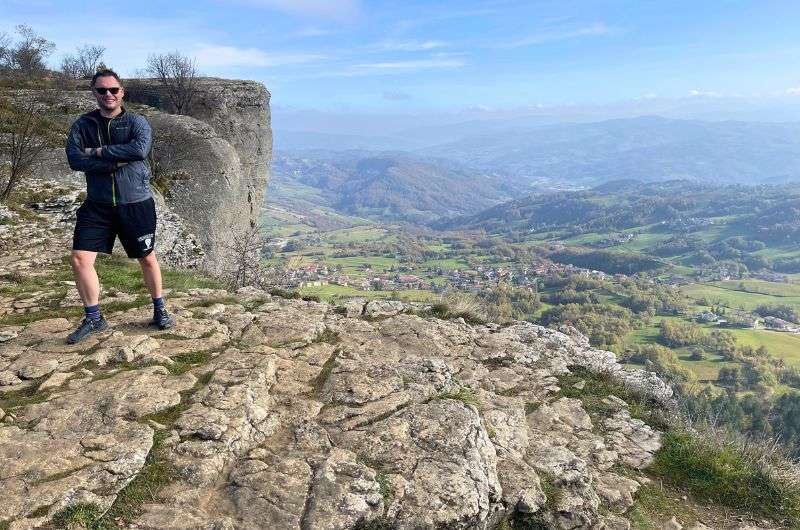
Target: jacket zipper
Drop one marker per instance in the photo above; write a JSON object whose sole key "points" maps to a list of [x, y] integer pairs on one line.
{"points": [[113, 173]]}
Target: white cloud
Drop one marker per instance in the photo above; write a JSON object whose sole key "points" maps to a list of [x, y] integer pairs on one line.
{"points": [[541, 37], [704, 94], [215, 56], [410, 46], [412, 65], [334, 9], [396, 96], [311, 32], [795, 91]]}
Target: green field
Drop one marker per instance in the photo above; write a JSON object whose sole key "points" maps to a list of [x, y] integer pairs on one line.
{"points": [[785, 346], [740, 299], [761, 287]]}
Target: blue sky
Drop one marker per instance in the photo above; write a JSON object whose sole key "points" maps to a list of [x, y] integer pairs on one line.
{"points": [[394, 56]]}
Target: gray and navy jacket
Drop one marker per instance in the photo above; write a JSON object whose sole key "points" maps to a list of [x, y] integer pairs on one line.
{"points": [[131, 140]]}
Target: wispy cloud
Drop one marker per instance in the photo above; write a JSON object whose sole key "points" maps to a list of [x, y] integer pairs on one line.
{"points": [[396, 96], [410, 45], [411, 65], [311, 32], [704, 94], [216, 56], [333, 9], [795, 91], [598, 29]]}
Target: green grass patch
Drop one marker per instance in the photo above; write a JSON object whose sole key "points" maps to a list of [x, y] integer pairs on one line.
{"points": [[23, 397], [126, 275], [325, 373], [387, 492], [208, 302], [737, 298], [156, 473], [184, 362], [598, 386], [465, 395], [783, 345], [17, 283], [78, 516], [781, 290], [328, 336], [714, 468], [168, 416], [653, 506], [21, 319]]}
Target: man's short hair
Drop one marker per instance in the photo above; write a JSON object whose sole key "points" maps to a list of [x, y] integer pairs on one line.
{"points": [[106, 73]]}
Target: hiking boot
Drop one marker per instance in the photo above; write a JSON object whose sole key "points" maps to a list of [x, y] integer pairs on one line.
{"points": [[162, 318], [87, 327]]}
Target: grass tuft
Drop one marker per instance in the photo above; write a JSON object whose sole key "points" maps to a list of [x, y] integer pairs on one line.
{"points": [[168, 416], [26, 396], [464, 395], [208, 302], [156, 473], [387, 492], [184, 362], [327, 336], [716, 466], [598, 386], [458, 305], [325, 373], [84, 515]]}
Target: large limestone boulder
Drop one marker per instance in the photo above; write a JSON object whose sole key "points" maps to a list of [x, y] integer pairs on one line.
{"points": [[211, 167], [215, 160]]}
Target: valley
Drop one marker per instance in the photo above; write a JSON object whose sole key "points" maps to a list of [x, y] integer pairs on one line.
{"points": [[699, 283]]}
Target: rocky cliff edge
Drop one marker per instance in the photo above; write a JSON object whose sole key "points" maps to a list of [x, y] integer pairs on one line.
{"points": [[257, 411]]}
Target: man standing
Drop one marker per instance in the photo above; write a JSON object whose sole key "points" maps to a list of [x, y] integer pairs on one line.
{"points": [[110, 145]]}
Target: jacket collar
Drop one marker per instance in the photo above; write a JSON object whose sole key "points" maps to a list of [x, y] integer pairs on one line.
{"points": [[95, 114]]}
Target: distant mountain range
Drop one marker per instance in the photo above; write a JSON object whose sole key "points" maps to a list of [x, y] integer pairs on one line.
{"points": [[390, 186], [645, 148], [765, 213], [463, 177]]}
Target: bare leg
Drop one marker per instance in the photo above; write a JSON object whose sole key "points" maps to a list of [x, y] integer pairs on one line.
{"points": [[86, 280], [151, 273]]}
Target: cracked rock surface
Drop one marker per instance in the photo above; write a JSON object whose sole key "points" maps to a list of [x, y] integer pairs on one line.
{"points": [[287, 414]]}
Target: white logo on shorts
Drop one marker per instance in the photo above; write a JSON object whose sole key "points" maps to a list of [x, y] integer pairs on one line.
{"points": [[147, 239]]}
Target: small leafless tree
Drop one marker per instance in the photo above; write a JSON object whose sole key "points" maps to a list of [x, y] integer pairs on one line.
{"points": [[83, 64], [26, 132], [178, 75], [27, 57], [245, 249], [5, 50]]}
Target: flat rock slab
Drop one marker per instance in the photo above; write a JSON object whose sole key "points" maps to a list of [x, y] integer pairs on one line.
{"points": [[84, 443]]}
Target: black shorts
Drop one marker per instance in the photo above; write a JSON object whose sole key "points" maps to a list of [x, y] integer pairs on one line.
{"points": [[99, 224]]}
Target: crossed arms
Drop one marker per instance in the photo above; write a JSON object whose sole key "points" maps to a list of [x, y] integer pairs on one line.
{"points": [[108, 157]]}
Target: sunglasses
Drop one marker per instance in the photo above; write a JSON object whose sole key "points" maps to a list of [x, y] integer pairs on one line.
{"points": [[102, 90]]}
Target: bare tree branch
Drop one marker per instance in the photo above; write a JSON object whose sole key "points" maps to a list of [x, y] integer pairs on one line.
{"points": [[178, 74], [83, 64], [27, 57], [245, 257], [25, 133]]}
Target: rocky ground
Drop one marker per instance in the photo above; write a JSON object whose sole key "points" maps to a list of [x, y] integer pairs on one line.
{"points": [[257, 411]]}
